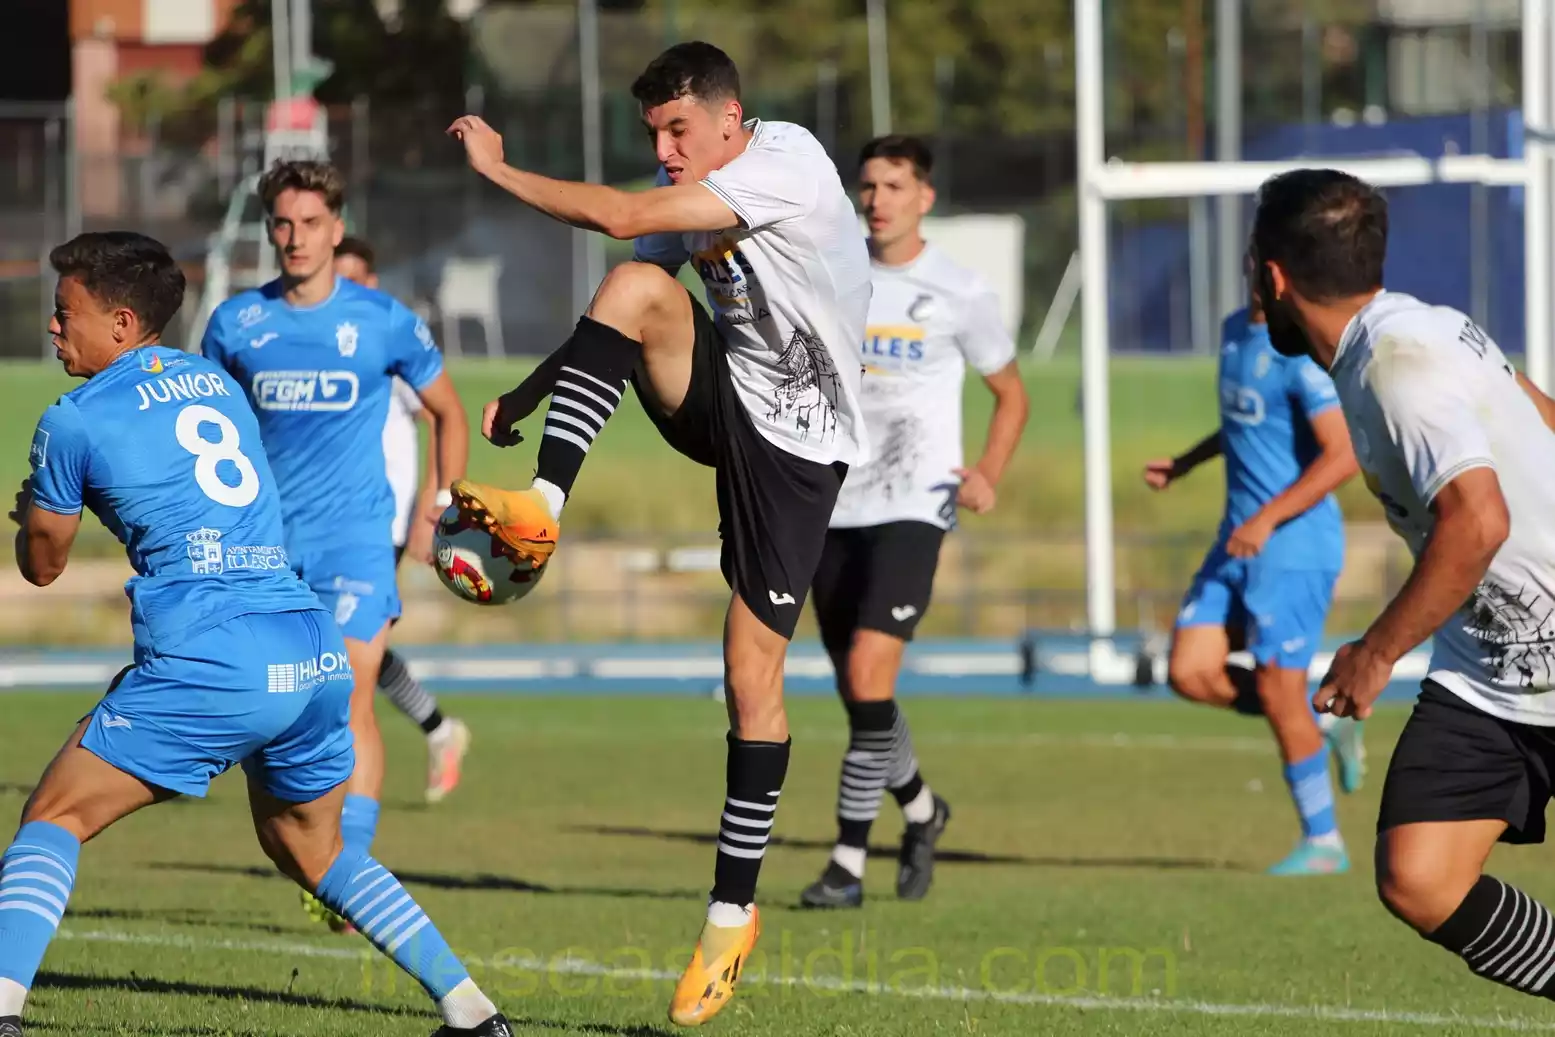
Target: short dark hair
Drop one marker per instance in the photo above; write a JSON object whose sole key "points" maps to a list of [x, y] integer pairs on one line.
{"points": [[351, 245], [900, 147], [121, 268], [694, 69], [320, 177], [1327, 230]]}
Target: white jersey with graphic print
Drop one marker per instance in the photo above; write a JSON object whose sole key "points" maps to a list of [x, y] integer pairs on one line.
{"points": [[1428, 396], [927, 321], [789, 290], [401, 454]]}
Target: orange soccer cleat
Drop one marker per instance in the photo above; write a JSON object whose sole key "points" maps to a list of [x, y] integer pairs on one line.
{"points": [[519, 519], [707, 985]]}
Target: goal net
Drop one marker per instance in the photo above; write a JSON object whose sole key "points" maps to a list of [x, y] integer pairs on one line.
{"points": [[1514, 204]]}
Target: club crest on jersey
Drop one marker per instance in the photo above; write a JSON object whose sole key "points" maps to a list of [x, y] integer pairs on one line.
{"points": [[1261, 365], [205, 551], [922, 308], [424, 335], [345, 338], [248, 316]]}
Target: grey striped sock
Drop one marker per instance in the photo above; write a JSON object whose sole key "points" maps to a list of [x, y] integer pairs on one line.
{"points": [[408, 696]]}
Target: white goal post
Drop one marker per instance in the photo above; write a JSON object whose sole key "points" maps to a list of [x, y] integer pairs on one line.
{"points": [[1101, 181]]}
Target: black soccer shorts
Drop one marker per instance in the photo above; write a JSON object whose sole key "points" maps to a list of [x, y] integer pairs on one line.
{"points": [[773, 507], [1458, 763], [875, 578]]}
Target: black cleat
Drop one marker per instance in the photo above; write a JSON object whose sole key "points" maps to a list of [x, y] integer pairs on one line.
{"points": [[496, 1026], [11, 1026], [915, 868], [837, 887]]}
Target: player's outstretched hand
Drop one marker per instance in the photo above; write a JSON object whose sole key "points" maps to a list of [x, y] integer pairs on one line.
{"points": [[1355, 678], [1247, 540], [23, 501], [500, 418], [482, 144], [976, 493], [418, 541], [1160, 472]]}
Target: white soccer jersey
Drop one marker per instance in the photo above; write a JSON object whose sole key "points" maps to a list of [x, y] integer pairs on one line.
{"points": [[789, 290], [1428, 396], [401, 453], [927, 321]]}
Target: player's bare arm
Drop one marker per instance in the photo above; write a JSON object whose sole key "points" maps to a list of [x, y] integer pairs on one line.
{"points": [[500, 418], [1471, 525], [451, 434], [43, 540], [678, 208], [1162, 472], [1334, 466], [979, 483], [1540, 400], [418, 539]]}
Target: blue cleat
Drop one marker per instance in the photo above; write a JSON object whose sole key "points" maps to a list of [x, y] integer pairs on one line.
{"points": [[1310, 858], [1345, 741]]}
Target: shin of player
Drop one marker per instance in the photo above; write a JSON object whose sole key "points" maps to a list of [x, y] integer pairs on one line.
{"points": [[1458, 448], [236, 661], [928, 319], [317, 354], [1267, 582], [765, 392], [416, 512]]}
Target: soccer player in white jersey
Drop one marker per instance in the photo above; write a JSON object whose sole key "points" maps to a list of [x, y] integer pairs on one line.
{"points": [[928, 319], [448, 738], [765, 391], [1458, 448]]}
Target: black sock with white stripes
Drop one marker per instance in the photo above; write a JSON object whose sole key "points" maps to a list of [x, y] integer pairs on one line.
{"points": [[1504, 935], [596, 364], [864, 769], [903, 779], [753, 778], [407, 694]]}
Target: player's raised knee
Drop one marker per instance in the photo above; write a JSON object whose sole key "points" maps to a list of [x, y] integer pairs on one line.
{"points": [[632, 291], [1191, 680]]}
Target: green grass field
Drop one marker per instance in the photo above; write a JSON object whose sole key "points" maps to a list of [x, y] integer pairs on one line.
{"points": [[633, 483], [572, 870]]}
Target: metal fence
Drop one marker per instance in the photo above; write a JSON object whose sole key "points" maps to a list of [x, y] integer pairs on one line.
{"points": [[1320, 76]]}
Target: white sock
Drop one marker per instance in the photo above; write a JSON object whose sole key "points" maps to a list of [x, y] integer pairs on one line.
{"points": [[1326, 722], [726, 915], [441, 731], [466, 1007], [553, 494], [1333, 840], [921, 809], [850, 859], [12, 997]]}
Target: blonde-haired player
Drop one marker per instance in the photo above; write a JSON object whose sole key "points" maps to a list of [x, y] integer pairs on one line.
{"points": [[448, 739]]}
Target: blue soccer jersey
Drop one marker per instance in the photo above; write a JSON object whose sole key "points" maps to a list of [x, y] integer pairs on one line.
{"points": [[163, 448], [320, 379], [1267, 403]]}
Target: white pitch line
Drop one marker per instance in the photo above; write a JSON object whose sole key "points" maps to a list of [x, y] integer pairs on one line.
{"points": [[575, 967], [839, 735]]}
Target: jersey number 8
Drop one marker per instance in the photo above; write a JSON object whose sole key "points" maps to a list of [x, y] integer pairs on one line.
{"points": [[209, 455]]}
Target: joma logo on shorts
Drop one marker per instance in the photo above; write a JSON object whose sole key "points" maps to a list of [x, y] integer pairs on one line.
{"points": [[305, 390]]}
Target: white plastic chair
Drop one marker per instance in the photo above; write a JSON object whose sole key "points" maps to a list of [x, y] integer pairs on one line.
{"points": [[469, 289]]}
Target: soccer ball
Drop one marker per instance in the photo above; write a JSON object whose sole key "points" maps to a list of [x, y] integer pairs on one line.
{"points": [[470, 563]]}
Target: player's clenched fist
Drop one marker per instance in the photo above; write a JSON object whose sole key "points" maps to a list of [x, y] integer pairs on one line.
{"points": [[482, 144], [1355, 678]]}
